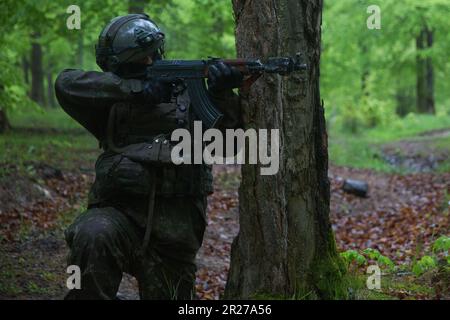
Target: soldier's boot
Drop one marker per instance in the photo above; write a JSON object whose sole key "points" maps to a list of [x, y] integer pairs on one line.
{"points": [[102, 242]]}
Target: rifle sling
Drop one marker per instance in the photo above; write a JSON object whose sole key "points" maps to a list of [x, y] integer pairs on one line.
{"points": [[151, 209]]}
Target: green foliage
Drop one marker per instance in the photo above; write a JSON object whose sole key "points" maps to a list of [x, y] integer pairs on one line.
{"points": [[198, 29], [362, 258], [424, 264], [13, 93], [366, 75], [353, 256], [429, 262], [442, 244], [375, 255]]}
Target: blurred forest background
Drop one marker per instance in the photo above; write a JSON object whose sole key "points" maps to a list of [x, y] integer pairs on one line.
{"points": [[369, 77], [387, 100]]}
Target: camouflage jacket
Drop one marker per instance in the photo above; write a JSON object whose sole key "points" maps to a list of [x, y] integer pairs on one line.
{"points": [[88, 98]]}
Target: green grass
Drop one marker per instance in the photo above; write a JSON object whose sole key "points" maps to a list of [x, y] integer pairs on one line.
{"points": [[409, 126], [357, 289], [43, 118], [50, 137], [36, 271], [391, 285], [356, 284], [357, 152], [441, 144], [28, 277], [363, 150]]}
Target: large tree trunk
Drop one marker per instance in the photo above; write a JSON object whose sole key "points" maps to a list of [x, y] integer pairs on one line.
{"points": [[136, 6], [285, 246], [37, 73], [425, 77]]}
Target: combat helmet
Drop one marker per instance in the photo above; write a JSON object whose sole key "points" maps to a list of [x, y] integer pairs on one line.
{"points": [[128, 39]]}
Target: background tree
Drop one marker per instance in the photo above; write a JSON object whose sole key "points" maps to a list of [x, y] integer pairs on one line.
{"points": [[425, 73], [398, 72], [285, 246], [4, 122], [37, 70]]}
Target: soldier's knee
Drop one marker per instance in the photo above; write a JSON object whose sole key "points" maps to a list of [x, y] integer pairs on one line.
{"points": [[94, 228]]}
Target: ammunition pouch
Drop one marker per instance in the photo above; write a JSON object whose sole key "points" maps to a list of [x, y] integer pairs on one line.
{"points": [[134, 161], [118, 176], [156, 153]]}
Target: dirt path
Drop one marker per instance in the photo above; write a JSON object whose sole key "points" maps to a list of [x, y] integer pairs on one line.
{"points": [[419, 154]]}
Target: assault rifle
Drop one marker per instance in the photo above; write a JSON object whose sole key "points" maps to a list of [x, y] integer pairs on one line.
{"points": [[194, 72]]}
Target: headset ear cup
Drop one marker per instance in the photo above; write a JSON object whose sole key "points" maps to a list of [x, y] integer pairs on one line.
{"points": [[162, 50], [159, 54]]}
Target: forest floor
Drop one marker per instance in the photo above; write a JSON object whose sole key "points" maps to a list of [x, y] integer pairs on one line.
{"points": [[45, 175]]}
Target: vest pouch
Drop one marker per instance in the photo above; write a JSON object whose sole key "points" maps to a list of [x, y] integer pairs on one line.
{"points": [[155, 153], [117, 175]]}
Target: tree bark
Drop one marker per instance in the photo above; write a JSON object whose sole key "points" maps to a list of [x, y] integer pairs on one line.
{"points": [[136, 6], [425, 75], [285, 246], [37, 73]]}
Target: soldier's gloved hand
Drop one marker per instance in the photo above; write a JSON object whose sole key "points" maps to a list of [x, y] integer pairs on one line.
{"points": [[157, 90], [222, 77]]}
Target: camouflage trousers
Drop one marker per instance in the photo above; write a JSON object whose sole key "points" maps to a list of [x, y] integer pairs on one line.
{"points": [[105, 242]]}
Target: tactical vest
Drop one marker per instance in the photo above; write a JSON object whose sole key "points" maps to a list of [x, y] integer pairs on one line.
{"points": [[124, 170]]}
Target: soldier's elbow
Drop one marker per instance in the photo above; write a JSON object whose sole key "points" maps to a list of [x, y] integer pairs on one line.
{"points": [[63, 84]]}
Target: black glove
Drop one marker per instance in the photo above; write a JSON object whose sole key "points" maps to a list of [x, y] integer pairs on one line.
{"points": [[157, 90], [222, 77]]}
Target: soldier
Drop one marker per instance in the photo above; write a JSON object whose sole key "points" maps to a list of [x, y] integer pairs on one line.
{"points": [[145, 220]]}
